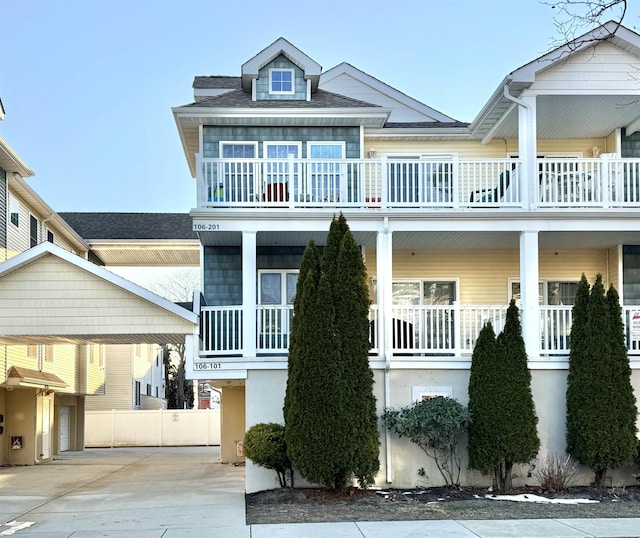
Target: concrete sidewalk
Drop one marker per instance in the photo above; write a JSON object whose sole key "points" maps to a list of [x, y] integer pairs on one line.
{"points": [[175, 492]]}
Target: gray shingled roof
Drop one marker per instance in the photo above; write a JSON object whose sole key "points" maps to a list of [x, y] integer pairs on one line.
{"points": [[143, 226], [217, 83], [320, 99]]}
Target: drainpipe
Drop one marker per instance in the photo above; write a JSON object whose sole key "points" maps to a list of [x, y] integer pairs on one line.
{"points": [[387, 367]]}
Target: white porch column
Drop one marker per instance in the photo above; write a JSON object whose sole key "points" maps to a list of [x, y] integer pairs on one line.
{"points": [[384, 296], [527, 149], [384, 335], [249, 287], [529, 308]]}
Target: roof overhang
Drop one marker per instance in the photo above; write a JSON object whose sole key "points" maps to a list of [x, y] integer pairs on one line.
{"points": [[11, 163], [25, 377], [156, 253], [189, 119]]}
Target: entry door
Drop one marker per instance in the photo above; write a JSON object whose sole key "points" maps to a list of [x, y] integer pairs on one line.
{"points": [[64, 429]]}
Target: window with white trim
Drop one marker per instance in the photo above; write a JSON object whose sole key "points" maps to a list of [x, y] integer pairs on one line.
{"points": [[281, 81], [14, 210], [324, 183], [550, 291], [276, 292], [235, 181]]}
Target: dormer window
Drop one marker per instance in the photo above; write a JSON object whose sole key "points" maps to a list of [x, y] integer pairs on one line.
{"points": [[281, 81]]}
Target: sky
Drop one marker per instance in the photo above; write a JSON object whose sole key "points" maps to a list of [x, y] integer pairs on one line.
{"points": [[88, 85]]}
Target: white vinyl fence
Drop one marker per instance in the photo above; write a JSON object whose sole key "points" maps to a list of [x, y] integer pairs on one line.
{"points": [[162, 427]]}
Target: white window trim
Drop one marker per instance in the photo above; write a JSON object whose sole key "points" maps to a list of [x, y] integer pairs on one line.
{"points": [[421, 282], [14, 209], [268, 143], [544, 298], [340, 143], [282, 70], [223, 143], [283, 283]]}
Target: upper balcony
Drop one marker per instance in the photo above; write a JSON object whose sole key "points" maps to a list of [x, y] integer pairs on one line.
{"points": [[448, 182]]}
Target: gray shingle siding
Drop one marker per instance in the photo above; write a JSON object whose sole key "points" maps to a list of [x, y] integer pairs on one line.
{"points": [[262, 84], [213, 135]]}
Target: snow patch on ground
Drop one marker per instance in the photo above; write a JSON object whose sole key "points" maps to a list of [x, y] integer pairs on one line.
{"points": [[529, 498]]}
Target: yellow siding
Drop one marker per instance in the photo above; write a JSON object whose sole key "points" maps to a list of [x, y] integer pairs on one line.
{"points": [[66, 365], [96, 372], [474, 149], [118, 387], [54, 297], [483, 276], [22, 356]]}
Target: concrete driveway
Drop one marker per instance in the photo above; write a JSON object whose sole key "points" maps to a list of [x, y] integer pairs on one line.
{"points": [[149, 492]]}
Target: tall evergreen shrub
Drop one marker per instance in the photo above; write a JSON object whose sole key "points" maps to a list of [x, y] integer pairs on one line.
{"points": [[503, 419], [331, 424], [601, 410]]}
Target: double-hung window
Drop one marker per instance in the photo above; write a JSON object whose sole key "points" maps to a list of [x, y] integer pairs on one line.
{"points": [[236, 175], [14, 210], [281, 81]]}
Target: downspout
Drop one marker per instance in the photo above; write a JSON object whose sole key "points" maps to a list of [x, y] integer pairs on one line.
{"points": [[42, 227], [387, 385]]}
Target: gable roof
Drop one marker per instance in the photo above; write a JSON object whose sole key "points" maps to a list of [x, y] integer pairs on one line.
{"points": [[81, 286], [502, 102], [280, 46], [384, 91]]}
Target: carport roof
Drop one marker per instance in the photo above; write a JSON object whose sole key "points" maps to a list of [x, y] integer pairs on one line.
{"points": [[53, 296]]}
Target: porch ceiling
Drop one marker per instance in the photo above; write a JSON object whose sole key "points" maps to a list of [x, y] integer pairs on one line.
{"points": [[445, 240], [575, 116]]}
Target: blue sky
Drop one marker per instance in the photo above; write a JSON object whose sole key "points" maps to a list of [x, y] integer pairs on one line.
{"points": [[88, 85]]}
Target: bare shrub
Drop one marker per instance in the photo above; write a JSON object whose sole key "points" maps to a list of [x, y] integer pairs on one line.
{"points": [[557, 473]]}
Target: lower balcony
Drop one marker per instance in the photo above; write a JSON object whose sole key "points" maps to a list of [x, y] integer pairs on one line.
{"points": [[420, 331]]}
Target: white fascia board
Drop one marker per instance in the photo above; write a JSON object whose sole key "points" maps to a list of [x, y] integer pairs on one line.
{"points": [[43, 249], [381, 87], [19, 165], [208, 116], [190, 159], [426, 132]]}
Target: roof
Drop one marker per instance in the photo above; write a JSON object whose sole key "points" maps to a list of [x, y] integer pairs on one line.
{"points": [[134, 226], [27, 377], [281, 46], [241, 99], [217, 82]]}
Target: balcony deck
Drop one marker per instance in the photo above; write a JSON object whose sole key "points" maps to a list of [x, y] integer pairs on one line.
{"points": [[420, 331], [448, 183]]}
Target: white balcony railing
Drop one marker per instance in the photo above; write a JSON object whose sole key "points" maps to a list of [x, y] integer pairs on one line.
{"points": [[405, 183], [416, 330]]}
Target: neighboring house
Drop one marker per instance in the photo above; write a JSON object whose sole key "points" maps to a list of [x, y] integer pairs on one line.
{"points": [[135, 375], [59, 312], [454, 221]]}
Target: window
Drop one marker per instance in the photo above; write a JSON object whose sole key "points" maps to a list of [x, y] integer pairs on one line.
{"points": [[148, 389], [33, 231], [325, 184], [50, 236], [281, 81], [48, 353], [420, 178], [276, 292], [550, 292], [14, 210], [421, 393], [235, 180], [137, 393]]}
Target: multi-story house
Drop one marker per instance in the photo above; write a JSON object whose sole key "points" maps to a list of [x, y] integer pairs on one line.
{"points": [[454, 220], [59, 312]]}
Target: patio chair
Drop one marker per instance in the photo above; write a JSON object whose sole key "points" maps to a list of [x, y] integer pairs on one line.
{"points": [[497, 193]]}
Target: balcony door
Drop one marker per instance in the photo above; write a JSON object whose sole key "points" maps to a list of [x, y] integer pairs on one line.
{"points": [[281, 175], [236, 177], [325, 183], [276, 292]]}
